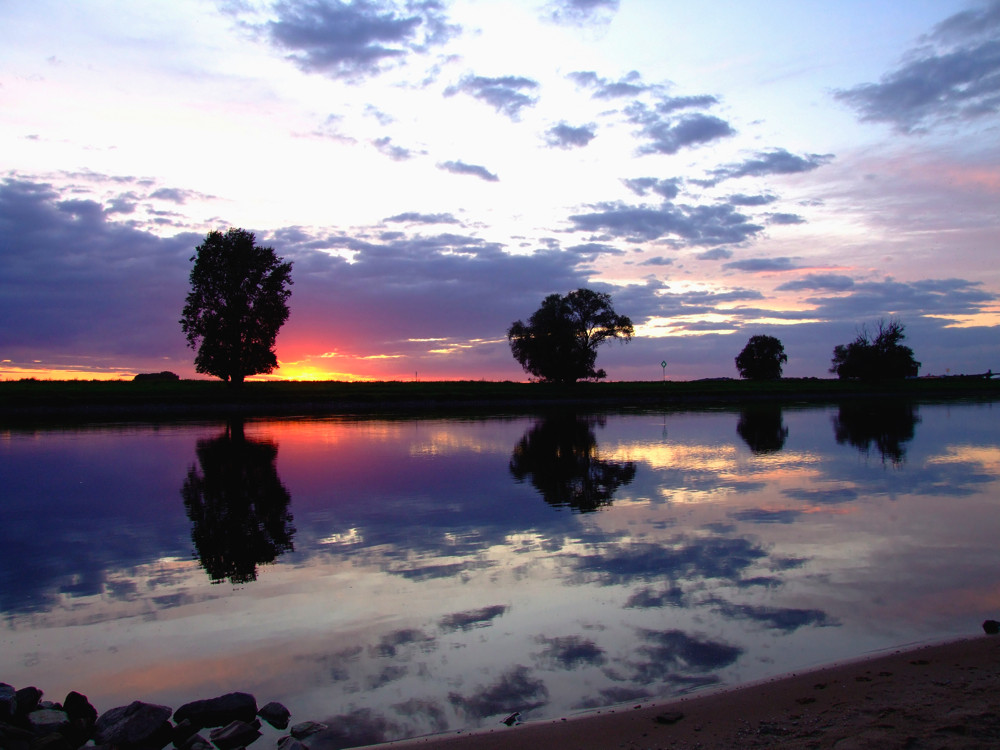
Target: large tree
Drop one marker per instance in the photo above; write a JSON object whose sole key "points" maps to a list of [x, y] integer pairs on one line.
{"points": [[238, 301], [875, 356], [761, 358], [559, 342]]}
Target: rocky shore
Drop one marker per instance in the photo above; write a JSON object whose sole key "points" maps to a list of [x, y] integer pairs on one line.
{"points": [[227, 722]]}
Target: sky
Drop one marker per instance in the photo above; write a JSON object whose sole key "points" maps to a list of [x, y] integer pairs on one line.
{"points": [[434, 169]]}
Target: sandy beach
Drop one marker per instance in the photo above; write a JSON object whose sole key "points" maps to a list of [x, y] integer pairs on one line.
{"points": [[938, 696]]}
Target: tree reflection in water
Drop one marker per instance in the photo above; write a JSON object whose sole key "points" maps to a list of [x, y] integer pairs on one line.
{"points": [[237, 505], [762, 428], [560, 456], [887, 424]]}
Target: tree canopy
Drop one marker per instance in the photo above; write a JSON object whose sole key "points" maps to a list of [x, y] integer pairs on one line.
{"points": [[238, 301], [761, 358], [559, 342], [876, 356]]}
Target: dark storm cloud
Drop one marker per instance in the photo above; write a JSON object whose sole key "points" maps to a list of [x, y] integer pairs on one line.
{"points": [[412, 217], [666, 134], [762, 264], [476, 170], [570, 652], [630, 84], [668, 189], [567, 136], [73, 281], [827, 282], [505, 94], [357, 39], [690, 225], [578, 12], [515, 690], [954, 76], [775, 161]]}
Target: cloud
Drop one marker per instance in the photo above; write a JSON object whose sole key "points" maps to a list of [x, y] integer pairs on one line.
{"points": [[785, 219], [570, 652], [716, 253], [668, 135], [762, 515], [394, 152], [505, 94], [460, 167], [579, 12], [515, 690], [829, 282], [567, 136], [667, 189], [953, 77], [761, 264], [690, 225], [357, 39], [784, 619], [657, 260], [476, 618], [670, 650], [413, 217], [740, 199], [775, 161], [628, 85]]}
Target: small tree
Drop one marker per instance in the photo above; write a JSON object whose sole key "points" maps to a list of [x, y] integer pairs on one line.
{"points": [[238, 301], [559, 342], [876, 357], [761, 358]]}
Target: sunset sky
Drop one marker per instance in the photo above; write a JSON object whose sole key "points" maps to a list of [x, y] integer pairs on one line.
{"points": [[435, 168]]}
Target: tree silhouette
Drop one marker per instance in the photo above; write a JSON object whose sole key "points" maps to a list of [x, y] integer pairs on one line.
{"points": [[559, 454], [761, 358], [237, 505], [559, 342], [878, 356], [762, 428], [238, 301], [885, 424]]}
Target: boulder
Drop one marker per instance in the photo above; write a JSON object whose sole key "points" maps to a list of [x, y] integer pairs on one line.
{"points": [[7, 693], [78, 708], [194, 742], [991, 627], [233, 735], [275, 714], [217, 712], [290, 743], [307, 728], [53, 741], [48, 720], [138, 724], [25, 701]]}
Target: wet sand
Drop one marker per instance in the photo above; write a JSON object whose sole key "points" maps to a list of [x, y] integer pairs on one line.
{"points": [[939, 696]]}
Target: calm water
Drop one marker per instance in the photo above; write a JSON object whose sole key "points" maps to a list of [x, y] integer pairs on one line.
{"points": [[400, 577]]}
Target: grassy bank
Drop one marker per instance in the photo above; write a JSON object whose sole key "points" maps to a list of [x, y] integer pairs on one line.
{"points": [[40, 398]]}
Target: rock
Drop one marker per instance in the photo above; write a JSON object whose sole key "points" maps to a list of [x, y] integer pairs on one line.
{"points": [[233, 735], [217, 712], [290, 743], [668, 717], [7, 693], [78, 708], [275, 714], [192, 742], [25, 701], [992, 627], [138, 724], [53, 741], [47, 720], [306, 728], [183, 731]]}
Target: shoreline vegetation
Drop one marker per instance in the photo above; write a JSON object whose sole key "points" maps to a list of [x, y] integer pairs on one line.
{"points": [[123, 399]]}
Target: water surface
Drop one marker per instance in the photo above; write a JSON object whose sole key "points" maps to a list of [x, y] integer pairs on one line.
{"points": [[399, 577]]}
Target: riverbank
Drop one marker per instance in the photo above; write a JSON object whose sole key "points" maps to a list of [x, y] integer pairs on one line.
{"points": [[42, 399], [938, 696]]}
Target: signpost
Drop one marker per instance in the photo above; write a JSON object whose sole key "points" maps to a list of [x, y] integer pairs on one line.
{"points": [[663, 364]]}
